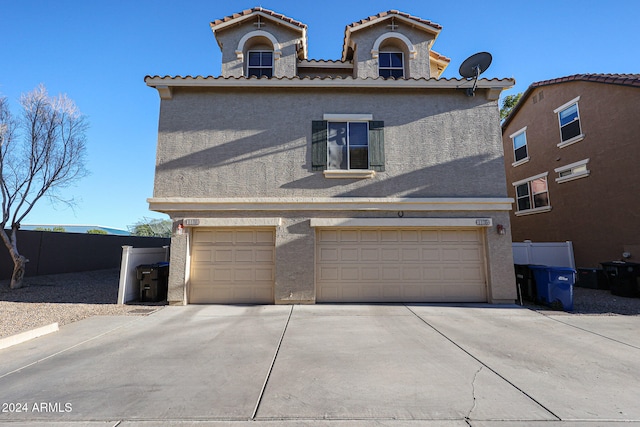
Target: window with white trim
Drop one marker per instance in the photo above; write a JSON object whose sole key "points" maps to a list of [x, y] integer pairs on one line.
{"points": [[391, 64], [569, 122], [532, 195], [348, 145], [520, 150], [573, 171], [260, 63]]}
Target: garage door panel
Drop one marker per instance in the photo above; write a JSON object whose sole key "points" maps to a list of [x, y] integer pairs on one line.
{"points": [[202, 256], [244, 255], [369, 254], [412, 273], [411, 254], [389, 236], [328, 254], [400, 265], [222, 255], [371, 273], [449, 254], [222, 237], [350, 273], [349, 254], [472, 255], [349, 236], [239, 267]]}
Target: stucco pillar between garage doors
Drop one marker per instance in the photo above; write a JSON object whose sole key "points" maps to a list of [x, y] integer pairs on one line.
{"points": [[500, 271], [295, 262]]}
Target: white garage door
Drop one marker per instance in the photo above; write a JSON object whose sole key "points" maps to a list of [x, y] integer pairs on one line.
{"points": [[400, 265], [232, 266]]}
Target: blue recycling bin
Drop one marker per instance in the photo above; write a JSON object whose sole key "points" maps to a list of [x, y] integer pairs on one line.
{"points": [[554, 285]]}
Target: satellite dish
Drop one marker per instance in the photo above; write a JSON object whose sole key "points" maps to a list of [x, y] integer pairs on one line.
{"points": [[473, 66]]}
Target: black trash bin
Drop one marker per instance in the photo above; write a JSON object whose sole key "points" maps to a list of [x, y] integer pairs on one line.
{"points": [[592, 278], [623, 277], [525, 281], [153, 279]]}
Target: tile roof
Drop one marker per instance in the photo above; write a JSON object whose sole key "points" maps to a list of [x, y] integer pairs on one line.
{"points": [[257, 9], [438, 56], [382, 15], [394, 12], [616, 79]]}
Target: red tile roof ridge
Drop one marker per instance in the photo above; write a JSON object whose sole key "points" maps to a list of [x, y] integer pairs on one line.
{"points": [[394, 12], [258, 9]]}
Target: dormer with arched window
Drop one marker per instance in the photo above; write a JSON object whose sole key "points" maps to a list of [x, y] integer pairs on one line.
{"points": [[393, 45], [260, 43]]}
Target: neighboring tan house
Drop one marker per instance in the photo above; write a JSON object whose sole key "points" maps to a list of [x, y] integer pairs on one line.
{"points": [[572, 150], [368, 179]]}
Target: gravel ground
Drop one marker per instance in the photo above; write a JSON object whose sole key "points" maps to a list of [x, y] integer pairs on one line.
{"points": [[66, 298], [62, 298]]}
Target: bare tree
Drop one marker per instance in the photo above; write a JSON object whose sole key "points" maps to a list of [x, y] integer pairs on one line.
{"points": [[41, 152]]}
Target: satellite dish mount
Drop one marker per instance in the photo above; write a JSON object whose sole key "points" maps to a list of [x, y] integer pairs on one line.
{"points": [[473, 66]]}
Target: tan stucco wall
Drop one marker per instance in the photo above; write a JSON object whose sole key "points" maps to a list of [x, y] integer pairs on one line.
{"points": [[256, 143]]}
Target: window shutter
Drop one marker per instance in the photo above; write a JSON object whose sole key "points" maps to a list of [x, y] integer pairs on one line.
{"points": [[376, 145], [318, 145]]}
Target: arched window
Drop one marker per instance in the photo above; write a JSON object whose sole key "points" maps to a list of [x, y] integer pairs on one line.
{"points": [[258, 49], [392, 50]]}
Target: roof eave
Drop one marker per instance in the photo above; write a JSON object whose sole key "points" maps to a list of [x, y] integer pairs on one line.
{"points": [[165, 85]]}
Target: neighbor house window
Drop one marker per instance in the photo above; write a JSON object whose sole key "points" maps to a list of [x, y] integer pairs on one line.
{"points": [[260, 63], [520, 151], [532, 195], [569, 121], [391, 64], [573, 171], [347, 142]]}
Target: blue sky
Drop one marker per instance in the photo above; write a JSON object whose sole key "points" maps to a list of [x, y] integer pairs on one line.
{"points": [[98, 52]]}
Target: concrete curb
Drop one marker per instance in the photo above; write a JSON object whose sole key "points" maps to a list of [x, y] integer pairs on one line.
{"points": [[28, 335]]}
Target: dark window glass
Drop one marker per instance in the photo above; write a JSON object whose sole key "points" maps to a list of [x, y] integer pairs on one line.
{"points": [[571, 130], [521, 153], [260, 64], [348, 145], [390, 64]]}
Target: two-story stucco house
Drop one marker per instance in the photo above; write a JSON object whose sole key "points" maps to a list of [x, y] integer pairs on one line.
{"points": [[367, 179]]}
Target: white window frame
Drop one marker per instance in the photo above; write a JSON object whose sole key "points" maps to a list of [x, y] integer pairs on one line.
{"points": [[571, 168], [348, 173], [391, 68], [526, 144], [249, 52], [531, 195], [560, 109]]}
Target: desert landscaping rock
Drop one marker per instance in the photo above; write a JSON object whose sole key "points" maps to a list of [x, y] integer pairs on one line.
{"points": [[62, 298]]}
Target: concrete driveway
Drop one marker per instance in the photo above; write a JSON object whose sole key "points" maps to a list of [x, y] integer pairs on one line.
{"points": [[338, 365]]}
